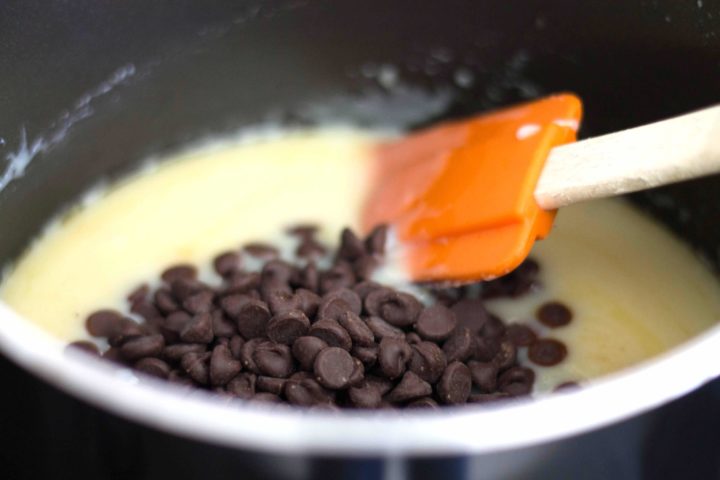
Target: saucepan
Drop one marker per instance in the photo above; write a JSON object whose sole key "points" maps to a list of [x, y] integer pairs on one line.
{"points": [[89, 90]]}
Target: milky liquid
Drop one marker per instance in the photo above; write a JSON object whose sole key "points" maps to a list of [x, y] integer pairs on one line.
{"points": [[634, 289]]}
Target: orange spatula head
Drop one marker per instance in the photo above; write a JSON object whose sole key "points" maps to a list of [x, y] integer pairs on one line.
{"points": [[459, 196]]}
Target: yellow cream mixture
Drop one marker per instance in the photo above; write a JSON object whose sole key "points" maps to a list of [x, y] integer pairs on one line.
{"points": [[634, 289]]}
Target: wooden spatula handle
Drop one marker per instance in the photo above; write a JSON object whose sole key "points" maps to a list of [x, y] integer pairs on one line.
{"points": [[635, 159]]}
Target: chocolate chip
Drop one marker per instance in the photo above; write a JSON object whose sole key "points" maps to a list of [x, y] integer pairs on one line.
{"points": [[85, 346], [308, 277], [375, 241], [341, 275], [365, 395], [138, 294], [564, 386], [232, 304], [277, 273], [179, 272], [332, 333], [308, 301], [222, 326], [201, 302], [397, 308], [358, 330], [262, 251], [328, 306], [310, 248], [147, 311], [425, 402], [175, 352], [140, 347], [486, 348], [455, 384], [334, 367], [270, 384], [367, 355], [273, 360], [165, 302], [198, 330], [227, 263], [306, 391], [484, 375], [554, 314], [382, 385], [305, 349], [179, 378], [436, 323], [153, 367], [364, 288], [282, 301], [303, 230], [487, 397], [493, 327], [365, 266], [351, 247], [104, 323], [427, 361], [112, 354], [520, 335], [413, 338], [518, 282], [236, 344], [393, 356], [460, 346], [242, 386], [266, 397], [471, 314], [242, 282], [182, 288], [382, 329], [410, 387], [287, 327], [195, 365], [547, 352], [247, 352], [252, 319], [223, 366], [516, 381], [506, 356]]}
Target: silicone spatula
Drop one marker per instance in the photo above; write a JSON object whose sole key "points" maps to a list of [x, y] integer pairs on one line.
{"points": [[466, 200]]}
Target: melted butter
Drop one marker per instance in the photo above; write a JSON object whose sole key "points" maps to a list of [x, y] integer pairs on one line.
{"points": [[635, 290]]}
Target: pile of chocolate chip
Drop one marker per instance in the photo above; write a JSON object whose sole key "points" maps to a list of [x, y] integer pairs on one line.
{"points": [[299, 334]]}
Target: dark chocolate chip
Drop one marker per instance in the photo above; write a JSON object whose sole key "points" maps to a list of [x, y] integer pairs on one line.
{"points": [[365, 266], [351, 247], [358, 330], [334, 368], [397, 308], [236, 344], [329, 306], [153, 367], [305, 349], [165, 302], [270, 384], [471, 314], [375, 241], [242, 386], [565, 386], [460, 346], [493, 327], [310, 248], [140, 347], [413, 338], [364, 288], [263, 251], [195, 365], [516, 381], [436, 323], [84, 346], [410, 387], [365, 395], [302, 230], [506, 356], [425, 402], [428, 361], [273, 360], [246, 354], [198, 330], [332, 333], [277, 273], [554, 314], [222, 326], [227, 263], [341, 275], [223, 366], [282, 301], [308, 301], [547, 352], [382, 329], [242, 282], [308, 277], [393, 356], [252, 319], [305, 391], [484, 375], [232, 304], [288, 326], [174, 353], [178, 272], [455, 384], [147, 311], [520, 335], [266, 397], [104, 323], [486, 348], [487, 397], [382, 385], [140, 293], [201, 302], [182, 288], [367, 355]]}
